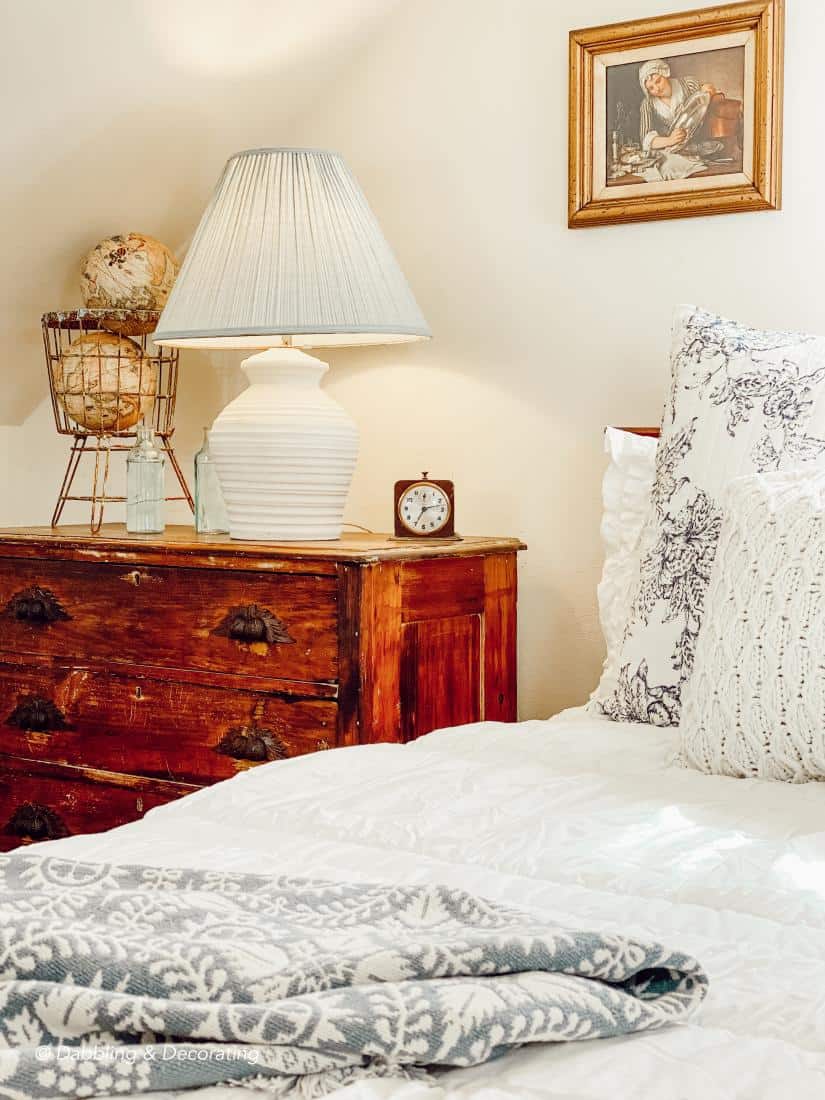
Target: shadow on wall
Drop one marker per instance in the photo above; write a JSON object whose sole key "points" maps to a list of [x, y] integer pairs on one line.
{"points": [[78, 201], [135, 109], [302, 41]]}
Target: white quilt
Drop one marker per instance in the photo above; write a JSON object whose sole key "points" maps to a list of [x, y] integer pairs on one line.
{"points": [[579, 819]]}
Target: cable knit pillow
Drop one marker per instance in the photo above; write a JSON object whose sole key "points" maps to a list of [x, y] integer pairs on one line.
{"points": [[742, 401], [755, 704], [626, 499]]}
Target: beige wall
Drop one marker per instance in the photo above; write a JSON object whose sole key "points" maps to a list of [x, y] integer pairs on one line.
{"points": [[453, 115]]}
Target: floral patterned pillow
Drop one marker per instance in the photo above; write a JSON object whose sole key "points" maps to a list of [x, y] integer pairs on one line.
{"points": [[742, 401]]}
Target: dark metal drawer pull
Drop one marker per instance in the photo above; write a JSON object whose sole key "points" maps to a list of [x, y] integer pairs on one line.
{"points": [[35, 605], [37, 715], [253, 624], [252, 743], [34, 821]]}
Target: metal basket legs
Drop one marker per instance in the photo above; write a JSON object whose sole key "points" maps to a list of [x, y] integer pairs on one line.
{"points": [[99, 448]]}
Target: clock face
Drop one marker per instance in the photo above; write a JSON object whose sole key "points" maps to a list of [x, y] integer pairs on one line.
{"points": [[424, 508]]}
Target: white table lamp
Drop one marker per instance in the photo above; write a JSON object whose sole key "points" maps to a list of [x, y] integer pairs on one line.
{"points": [[288, 255]]}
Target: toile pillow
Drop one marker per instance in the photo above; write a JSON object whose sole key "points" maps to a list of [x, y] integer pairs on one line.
{"points": [[742, 401], [755, 704], [626, 498]]}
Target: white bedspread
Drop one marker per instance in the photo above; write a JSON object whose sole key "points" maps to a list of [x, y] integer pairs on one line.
{"points": [[577, 818]]}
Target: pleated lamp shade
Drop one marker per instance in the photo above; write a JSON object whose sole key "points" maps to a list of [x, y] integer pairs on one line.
{"points": [[289, 253]]}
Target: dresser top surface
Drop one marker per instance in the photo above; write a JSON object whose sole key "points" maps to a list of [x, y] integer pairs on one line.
{"points": [[182, 541]]}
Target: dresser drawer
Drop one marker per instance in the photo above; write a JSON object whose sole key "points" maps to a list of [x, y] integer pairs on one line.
{"points": [[266, 625], [46, 802], [190, 733]]}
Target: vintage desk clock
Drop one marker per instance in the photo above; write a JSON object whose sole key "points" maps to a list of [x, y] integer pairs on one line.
{"points": [[425, 509]]}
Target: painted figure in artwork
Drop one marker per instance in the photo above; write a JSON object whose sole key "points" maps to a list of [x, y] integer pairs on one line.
{"points": [[673, 117], [664, 98]]}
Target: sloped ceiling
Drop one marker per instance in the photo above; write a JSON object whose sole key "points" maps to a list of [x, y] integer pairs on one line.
{"points": [[118, 116]]}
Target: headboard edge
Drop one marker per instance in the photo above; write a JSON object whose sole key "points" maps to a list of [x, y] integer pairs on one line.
{"points": [[652, 432]]}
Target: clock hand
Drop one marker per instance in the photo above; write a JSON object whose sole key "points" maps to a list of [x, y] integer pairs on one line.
{"points": [[426, 508]]}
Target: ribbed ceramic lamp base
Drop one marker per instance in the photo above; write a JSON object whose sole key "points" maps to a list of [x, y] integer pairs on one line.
{"points": [[285, 452]]}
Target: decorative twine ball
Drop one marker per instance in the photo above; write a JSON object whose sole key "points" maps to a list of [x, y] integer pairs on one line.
{"points": [[105, 382], [128, 272]]}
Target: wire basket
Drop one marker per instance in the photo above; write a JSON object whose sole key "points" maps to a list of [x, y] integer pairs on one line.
{"points": [[106, 377]]}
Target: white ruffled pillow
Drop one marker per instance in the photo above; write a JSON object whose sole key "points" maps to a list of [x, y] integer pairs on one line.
{"points": [[626, 500], [755, 704]]}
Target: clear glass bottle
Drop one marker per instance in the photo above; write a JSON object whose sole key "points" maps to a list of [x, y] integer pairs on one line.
{"points": [[210, 509], [145, 485]]}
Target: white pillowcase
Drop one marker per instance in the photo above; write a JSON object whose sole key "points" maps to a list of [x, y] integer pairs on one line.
{"points": [[755, 704], [626, 500], [742, 401]]}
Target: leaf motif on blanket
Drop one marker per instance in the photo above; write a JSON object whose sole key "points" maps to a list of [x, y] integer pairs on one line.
{"points": [[138, 978], [23, 1030]]}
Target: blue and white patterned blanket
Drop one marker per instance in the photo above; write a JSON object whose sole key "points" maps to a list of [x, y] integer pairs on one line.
{"points": [[129, 979]]}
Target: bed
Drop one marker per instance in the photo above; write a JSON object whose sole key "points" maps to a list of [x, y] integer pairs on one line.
{"points": [[572, 817], [589, 821]]}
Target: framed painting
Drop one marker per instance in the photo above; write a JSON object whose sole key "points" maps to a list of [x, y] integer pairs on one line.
{"points": [[677, 116]]}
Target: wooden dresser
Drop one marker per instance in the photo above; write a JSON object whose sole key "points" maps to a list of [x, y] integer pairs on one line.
{"points": [[135, 669]]}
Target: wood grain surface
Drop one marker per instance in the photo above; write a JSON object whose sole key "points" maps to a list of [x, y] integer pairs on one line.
{"points": [[147, 726], [81, 800], [162, 616], [180, 545], [134, 670]]}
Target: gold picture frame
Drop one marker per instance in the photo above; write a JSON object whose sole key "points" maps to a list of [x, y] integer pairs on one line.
{"points": [[698, 127]]}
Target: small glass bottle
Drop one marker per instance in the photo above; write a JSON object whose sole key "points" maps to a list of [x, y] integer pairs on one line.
{"points": [[210, 508], [144, 485]]}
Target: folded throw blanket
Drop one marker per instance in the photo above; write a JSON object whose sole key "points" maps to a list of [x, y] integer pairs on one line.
{"points": [[128, 979]]}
